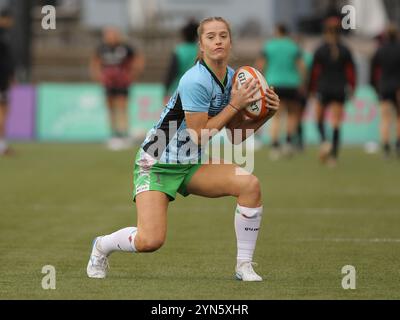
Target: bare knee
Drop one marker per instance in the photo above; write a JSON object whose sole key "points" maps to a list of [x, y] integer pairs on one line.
{"points": [[250, 191], [253, 185], [148, 243]]}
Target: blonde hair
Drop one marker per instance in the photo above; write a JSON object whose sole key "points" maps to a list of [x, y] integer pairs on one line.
{"points": [[200, 30]]}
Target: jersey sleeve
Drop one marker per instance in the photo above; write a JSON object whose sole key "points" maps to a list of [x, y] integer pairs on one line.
{"points": [[195, 96]]}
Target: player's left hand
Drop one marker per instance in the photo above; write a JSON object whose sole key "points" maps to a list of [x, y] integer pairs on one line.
{"points": [[273, 103], [272, 99]]}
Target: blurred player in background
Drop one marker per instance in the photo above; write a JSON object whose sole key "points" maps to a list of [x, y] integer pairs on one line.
{"points": [[333, 79], [6, 78], [281, 61], [303, 99], [204, 100], [385, 77], [183, 57], [116, 65]]}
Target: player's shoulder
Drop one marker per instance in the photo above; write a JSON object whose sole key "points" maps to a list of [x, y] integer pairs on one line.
{"points": [[269, 44], [345, 49], [196, 75], [292, 45], [322, 50]]}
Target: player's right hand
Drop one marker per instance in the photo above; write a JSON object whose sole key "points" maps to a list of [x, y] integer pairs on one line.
{"points": [[246, 94]]}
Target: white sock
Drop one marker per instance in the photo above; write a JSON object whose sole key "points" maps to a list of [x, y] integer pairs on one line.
{"points": [[121, 240], [247, 224]]}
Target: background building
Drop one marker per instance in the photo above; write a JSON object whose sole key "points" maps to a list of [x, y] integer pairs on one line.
{"points": [[152, 24]]}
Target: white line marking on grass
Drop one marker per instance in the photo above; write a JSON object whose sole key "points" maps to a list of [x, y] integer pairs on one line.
{"points": [[372, 240], [328, 211], [322, 211], [369, 192], [75, 207], [80, 207]]}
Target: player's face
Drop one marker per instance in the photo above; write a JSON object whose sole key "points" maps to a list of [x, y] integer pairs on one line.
{"points": [[111, 36], [215, 41], [332, 34]]}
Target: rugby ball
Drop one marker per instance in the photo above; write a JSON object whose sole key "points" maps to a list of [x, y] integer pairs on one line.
{"points": [[258, 109]]}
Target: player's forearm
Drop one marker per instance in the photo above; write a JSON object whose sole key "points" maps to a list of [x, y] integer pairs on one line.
{"points": [[206, 127], [215, 124], [222, 119], [246, 129]]}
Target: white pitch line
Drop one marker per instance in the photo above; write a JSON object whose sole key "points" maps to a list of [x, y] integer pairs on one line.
{"points": [[359, 192], [71, 207], [372, 240], [328, 211]]}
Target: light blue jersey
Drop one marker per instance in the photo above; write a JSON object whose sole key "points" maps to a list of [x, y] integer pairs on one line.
{"points": [[199, 90]]}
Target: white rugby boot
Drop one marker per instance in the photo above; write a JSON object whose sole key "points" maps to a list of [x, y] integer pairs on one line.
{"points": [[245, 272], [98, 262]]}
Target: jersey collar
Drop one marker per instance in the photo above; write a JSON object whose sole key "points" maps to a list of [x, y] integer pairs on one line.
{"points": [[221, 84]]}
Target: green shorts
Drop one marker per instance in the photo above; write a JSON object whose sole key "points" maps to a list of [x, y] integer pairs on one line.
{"points": [[151, 175]]}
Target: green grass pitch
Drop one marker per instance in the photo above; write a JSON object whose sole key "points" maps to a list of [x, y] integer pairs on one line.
{"points": [[55, 198]]}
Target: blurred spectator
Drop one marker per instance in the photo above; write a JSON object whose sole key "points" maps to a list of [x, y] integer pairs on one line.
{"points": [[282, 63], [6, 77], [116, 65], [183, 57], [6, 22], [385, 77], [303, 98], [333, 79]]}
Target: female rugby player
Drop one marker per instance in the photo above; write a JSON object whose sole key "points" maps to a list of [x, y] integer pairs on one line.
{"points": [[168, 163], [116, 65], [282, 63], [385, 77], [333, 80]]}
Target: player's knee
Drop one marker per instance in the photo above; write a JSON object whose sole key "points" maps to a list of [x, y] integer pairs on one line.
{"points": [[254, 185], [251, 185], [150, 244]]}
